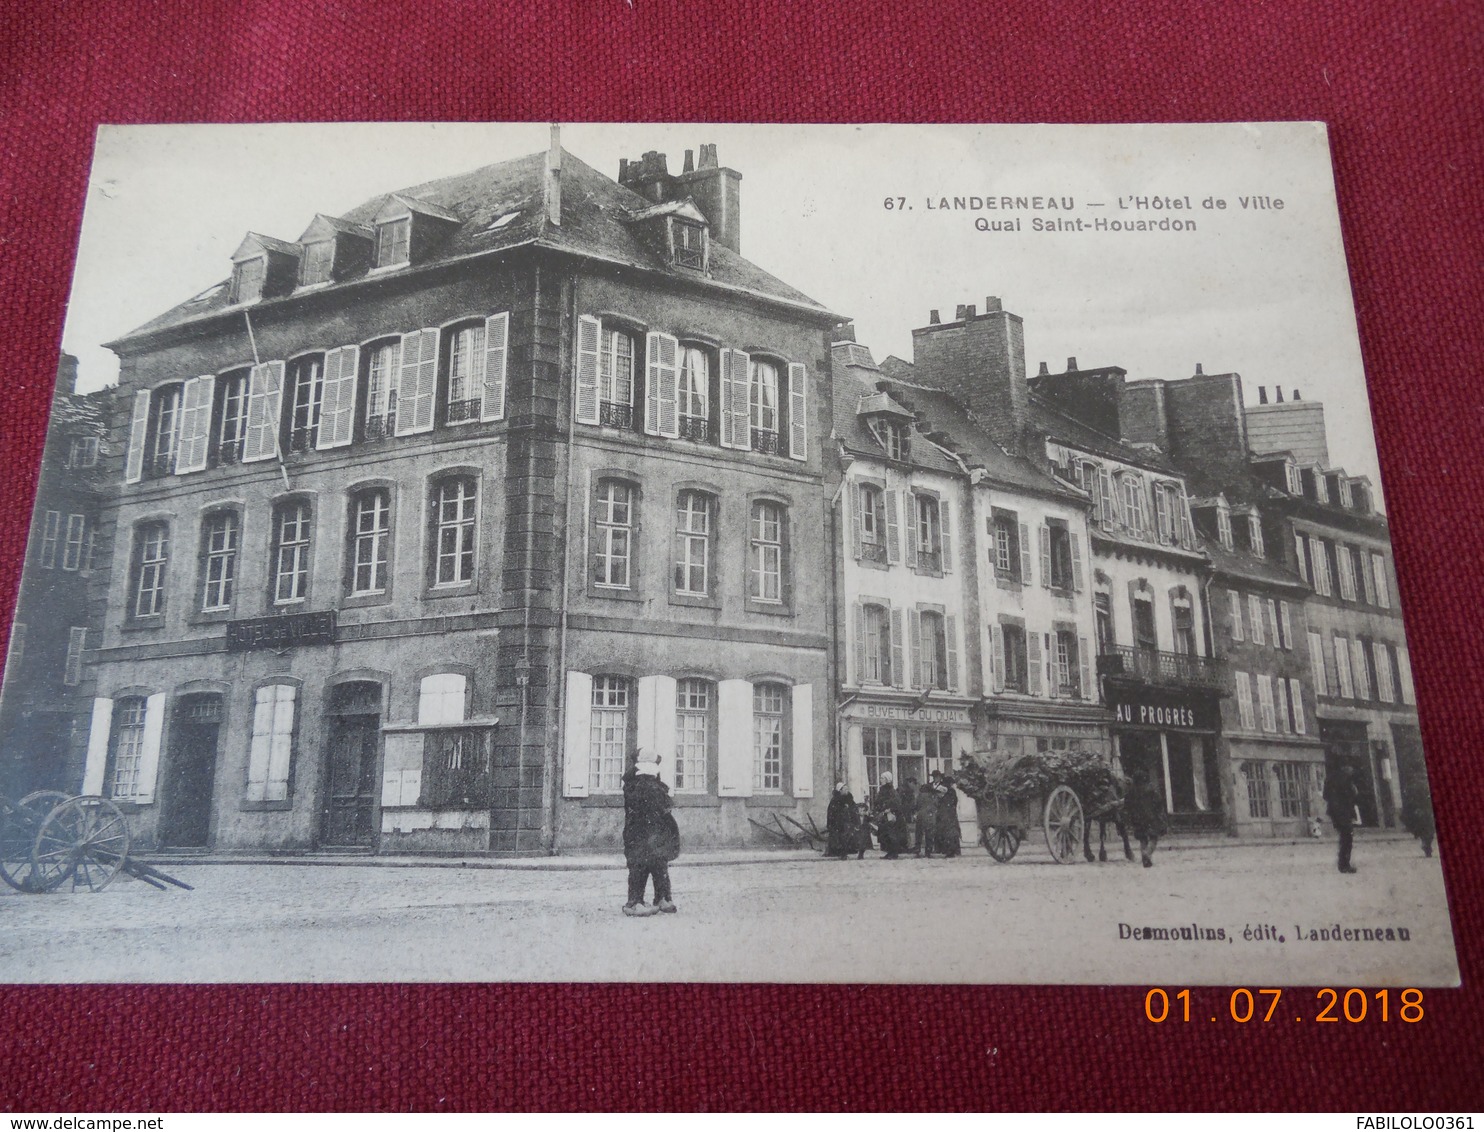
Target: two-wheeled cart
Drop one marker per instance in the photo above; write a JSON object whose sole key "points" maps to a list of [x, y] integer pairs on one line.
{"points": [[1004, 823], [49, 839]]}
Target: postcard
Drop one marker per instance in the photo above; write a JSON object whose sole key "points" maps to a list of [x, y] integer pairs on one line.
{"points": [[868, 553]]}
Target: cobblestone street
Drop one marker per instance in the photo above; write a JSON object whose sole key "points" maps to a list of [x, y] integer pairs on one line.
{"points": [[799, 918]]}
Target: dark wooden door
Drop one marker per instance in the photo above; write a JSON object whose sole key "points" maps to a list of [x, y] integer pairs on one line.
{"points": [[190, 774], [350, 805]]}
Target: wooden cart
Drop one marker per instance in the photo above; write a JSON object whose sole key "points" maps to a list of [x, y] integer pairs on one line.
{"points": [[49, 839], [1004, 823]]}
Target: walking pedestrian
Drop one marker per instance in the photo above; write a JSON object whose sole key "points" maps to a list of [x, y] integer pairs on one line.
{"points": [[1144, 811], [927, 817], [651, 839], [1418, 819], [890, 819], [839, 824], [947, 819], [1340, 797]]}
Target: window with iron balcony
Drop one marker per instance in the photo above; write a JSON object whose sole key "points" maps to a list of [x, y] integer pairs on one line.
{"points": [[383, 372], [307, 388], [230, 426], [690, 244], [617, 360], [695, 394], [763, 406], [164, 431], [465, 358]]}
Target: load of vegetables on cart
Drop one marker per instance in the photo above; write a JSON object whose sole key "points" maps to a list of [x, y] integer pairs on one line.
{"points": [[1058, 791]]}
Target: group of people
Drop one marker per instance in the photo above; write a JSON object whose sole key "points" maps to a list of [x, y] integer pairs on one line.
{"points": [[923, 818]]}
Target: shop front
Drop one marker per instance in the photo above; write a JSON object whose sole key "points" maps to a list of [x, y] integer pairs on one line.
{"points": [[903, 739], [1172, 734]]}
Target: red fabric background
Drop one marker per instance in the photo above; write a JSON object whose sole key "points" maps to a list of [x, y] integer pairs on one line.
{"points": [[1400, 85]]}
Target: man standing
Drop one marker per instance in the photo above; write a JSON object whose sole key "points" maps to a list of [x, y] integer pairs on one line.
{"points": [[891, 821], [947, 823], [1340, 797], [927, 817], [1144, 811], [651, 839]]}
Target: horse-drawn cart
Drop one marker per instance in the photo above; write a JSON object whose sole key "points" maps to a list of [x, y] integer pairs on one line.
{"points": [[48, 839], [1004, 823], [1057, 792]]}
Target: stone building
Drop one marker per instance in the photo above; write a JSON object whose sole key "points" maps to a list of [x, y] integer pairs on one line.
{"points": [[435, 514]]}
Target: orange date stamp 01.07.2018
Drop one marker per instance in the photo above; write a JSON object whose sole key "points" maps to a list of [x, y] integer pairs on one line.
{"points": [[1269, 1004]]}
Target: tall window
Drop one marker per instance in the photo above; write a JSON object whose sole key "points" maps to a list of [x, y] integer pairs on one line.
{"points": [[151, 557], [319, 261], [616, 377], [1017, 665], [164, 426], [613, 534], [1145, 636], [1319, 554], [871, 522], [762, 399], [393, 242], [1347, 572], [72, 549], [455, 501], [82, 452], [307, 379], [291, 531], [695, 387], [1254, 535], [608, 748], [689, 244], [1010, 562], [128, 747], [1293, 789], [1068, 675], [692, 544], [767, 737], [77, 641], [371, 527], [1258, 804], [248, 278], [381, 390], [1133, 502], [692, 710], [219, 541], [765, 565], [876, 644], [1102, 607], [929, 534], [893, 438], [1183, 623], [1059, 545], [465, 352], [231, 425], [933, 650]]}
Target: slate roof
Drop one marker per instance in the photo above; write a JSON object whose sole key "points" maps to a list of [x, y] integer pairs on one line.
{"points": [[1244, 564], [595, 214], [1065, 429]]}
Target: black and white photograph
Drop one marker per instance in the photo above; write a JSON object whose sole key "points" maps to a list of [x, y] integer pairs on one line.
{"points": [[868, 554]]}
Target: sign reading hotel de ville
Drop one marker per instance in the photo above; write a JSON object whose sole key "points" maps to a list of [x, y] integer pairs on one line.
{"points": [[959, 537]]}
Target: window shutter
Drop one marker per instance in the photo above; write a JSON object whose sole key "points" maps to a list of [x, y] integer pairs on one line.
{"points": [[149, 750], [99, 732], [1383, 581], [1027, 576], [1084, 669], [585, 395], [858, 619], [1316, 663], [734, 739], [655, 722], [1385, 686], [798, 411], [802, 744], [417, 387], [914, 629], [578, 737], [1107, 498], [662, 385], [1363, 568], [1273, 632], [1033, 662], [1346, 570], [950, 637], [264, 404], [945, 535], [1265, 699], [138, 432], [281, 750], [1235, 601], [910, 521], [997, 658], [1342, 667], [892, 554], [1045, 555], [1254, 608], [1296, 698], [1404, 674], [1244, 701], [1360, 671], [1077, 579], [736, 419], [856, 521], [195, 424], [898, 672], [496, 362], [1301, 554], [338, 411]]}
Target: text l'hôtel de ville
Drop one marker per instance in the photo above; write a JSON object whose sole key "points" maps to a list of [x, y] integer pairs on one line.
{"points": [[1135, 213]]}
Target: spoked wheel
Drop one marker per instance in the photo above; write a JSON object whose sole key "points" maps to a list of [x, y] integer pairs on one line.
{"points": [[84, 840], [1064, 823], [1002, 841], [19, 824]]}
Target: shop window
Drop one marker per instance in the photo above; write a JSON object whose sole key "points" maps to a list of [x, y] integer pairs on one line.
{"points": [[1256, 776], [1293, 789]]}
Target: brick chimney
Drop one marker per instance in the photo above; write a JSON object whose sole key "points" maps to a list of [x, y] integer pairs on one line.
{"points": [[554, 177], [980, 359], [717, 192]]}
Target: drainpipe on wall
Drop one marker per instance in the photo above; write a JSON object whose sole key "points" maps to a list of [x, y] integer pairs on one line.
{"points": [[548, 823], [837, 649]]}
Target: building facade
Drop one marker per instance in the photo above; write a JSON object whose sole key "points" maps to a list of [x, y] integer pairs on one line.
{"points": [[434, 516]]}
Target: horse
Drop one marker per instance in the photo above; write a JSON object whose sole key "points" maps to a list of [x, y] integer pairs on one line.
{"points": [[1109, 808]]}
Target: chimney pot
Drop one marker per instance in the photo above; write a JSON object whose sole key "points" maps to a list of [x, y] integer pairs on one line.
{"points": [[690, 160], [992, 304], [1198, 370], [623, 170], [970, 311], [1262, 394], [1071, 365], [845, 332], [708, 156], [960, 313], [1045, 370], [1278, 391], [1296, 396], [933, 319]]}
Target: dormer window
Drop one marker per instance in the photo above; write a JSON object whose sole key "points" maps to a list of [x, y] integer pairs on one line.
{"points": [[1224, 524], [319, 263], [690, 244], [393, 242], [1295, 481], [1254, 534], [248, 278], [893, 437]]}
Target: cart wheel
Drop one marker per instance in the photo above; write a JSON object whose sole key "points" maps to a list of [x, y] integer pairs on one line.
{"points": [[1064, 824], [84, 840], [1002, 841], [19, 822]]}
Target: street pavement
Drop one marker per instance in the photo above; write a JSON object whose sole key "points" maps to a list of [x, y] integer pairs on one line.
{"points": [[785, 918]]}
